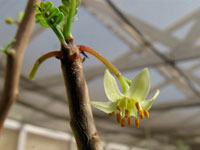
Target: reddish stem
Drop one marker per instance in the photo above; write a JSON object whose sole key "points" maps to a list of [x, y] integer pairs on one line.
{"points": [[110, 66], [42, 59]]}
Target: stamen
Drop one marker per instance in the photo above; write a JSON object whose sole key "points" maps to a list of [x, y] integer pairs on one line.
{"points": [[118, 118], [118, 107], [146, 113], [141, 113], [137, 122], [123, 122], [138, 106], [129, 121], [127, 113], [111, 114]]}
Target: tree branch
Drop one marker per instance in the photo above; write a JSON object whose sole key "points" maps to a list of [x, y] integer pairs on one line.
{"points": [[14, 61], [81, 118]]}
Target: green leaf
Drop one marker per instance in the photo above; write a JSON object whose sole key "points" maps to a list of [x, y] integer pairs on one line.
{"points": [[140, 86], [104, 106], [44, 23], [111, 88], [48, 15], [48, 5], [59, 19], [41, 20], [66, 2], [63, 9], [42, 4], [38, 17], [53, 12]]}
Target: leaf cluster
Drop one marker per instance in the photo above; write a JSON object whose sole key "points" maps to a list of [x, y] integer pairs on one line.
{"points": [[48, 15]]}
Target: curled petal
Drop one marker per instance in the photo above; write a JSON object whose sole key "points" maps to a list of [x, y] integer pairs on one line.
{"points": [[106, 107], [146, 105], [111, 88], [140, 86]]}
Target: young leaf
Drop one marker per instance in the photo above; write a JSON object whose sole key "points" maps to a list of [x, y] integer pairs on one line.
{"points": [[66, 2], [41, 20], [63, 9], [48, 15]]}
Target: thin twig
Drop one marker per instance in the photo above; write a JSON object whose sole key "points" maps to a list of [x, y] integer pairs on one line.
{"points": [[14, 61]]}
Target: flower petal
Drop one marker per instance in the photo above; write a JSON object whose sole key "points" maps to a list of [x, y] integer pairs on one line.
{"points": [[140, 86], [106, 107], [133, 112], [111, 88], [146, 105], [132, 108]]}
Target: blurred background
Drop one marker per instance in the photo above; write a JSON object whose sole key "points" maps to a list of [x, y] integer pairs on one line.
{"points": [[161, 35]]}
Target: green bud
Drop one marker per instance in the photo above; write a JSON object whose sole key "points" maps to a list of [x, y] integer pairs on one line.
{"points": [[9, 20]]}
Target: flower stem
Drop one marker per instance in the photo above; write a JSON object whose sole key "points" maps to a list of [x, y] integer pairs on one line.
{"points": [[41, 60], [110, 66], [124, 84], [123, 81], [67, 26]]}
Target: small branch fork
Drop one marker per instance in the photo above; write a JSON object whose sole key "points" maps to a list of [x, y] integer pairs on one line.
{"points": [[82, 49], [14, 61], [72, 55], [82, 122]]}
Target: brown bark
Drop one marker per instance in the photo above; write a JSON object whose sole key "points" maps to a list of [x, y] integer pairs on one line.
{"points": [[82, 122], [14, 61]]}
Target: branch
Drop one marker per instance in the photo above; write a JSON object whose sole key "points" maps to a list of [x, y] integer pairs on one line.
{"points": [[81, 118], [14, 61]]}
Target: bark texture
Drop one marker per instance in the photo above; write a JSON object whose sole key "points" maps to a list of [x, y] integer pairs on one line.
{"points": [[14, 61], [82, 122]]}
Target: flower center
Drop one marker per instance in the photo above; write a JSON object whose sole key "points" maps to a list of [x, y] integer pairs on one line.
{"points": [[125, 108]]}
